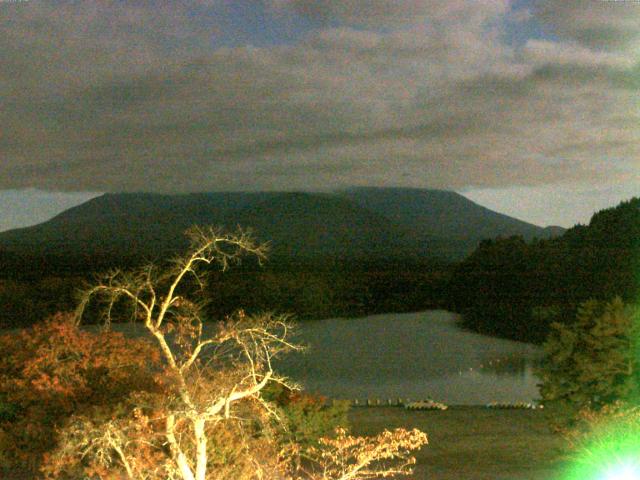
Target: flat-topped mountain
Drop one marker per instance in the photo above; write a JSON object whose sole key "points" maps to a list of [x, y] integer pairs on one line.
{"points": [[354, 224], [446, 215]]}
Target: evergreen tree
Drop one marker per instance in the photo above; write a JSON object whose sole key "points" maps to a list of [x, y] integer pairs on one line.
{"points": [[591, 362]]}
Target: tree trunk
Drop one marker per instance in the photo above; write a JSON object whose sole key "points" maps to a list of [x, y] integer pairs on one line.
{"points": [[178, 455], [201, 449]]}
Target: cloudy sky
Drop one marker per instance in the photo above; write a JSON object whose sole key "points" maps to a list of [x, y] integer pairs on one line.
{"points": [[530, 107]]}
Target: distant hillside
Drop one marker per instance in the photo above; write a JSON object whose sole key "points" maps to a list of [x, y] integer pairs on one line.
{"points": [[458, 222], [554, 231], [355, 224], [515, 289]]}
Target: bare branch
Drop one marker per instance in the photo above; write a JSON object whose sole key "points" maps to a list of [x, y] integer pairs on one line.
{"points": [[213, 380]]}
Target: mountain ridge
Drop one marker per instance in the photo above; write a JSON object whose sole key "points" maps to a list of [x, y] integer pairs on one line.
{"points": [[356, 223]]}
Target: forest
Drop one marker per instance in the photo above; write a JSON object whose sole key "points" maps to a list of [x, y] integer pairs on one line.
{"points": [[507, 287], [515, 289], [34, 288]]}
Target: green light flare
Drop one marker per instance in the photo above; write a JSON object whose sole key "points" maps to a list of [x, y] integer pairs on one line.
{"points": [[612, 452], [625, 471]]}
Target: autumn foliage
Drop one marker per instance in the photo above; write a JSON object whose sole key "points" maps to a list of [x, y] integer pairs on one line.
{"points": [[385, 455], [187, 400], [55, 370]]}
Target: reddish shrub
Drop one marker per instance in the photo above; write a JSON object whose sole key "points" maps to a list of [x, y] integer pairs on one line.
{"points": [[53, 370]]}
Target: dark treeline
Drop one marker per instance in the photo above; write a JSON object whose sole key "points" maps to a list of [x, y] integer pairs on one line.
{"points": [[516, 289], [33, 288], [325, 293], [506, 287]]}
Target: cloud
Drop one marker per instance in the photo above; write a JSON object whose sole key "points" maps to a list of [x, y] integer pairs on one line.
{"points": [[600, 24], [545, 52], [395, 13], [108, 96]]}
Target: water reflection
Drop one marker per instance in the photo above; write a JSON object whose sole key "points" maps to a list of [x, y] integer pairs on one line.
{"points": [[508, 365], [418, 355]]}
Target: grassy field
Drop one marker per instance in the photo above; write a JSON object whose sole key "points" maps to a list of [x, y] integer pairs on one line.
{"points": [[465, 443], [473, 443]]}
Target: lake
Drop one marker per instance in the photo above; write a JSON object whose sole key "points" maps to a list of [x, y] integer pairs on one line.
{"points": [[414, 355]]}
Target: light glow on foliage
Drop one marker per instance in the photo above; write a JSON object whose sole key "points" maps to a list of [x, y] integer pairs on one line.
{"points": [[613, 454], [609, 448], [624, 471]]}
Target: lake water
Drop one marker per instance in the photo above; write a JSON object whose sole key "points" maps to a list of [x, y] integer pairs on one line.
{"points": [[416, 356]]}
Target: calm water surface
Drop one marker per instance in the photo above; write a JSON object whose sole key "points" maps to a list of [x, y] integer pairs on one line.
{"points": [[415, 355]]}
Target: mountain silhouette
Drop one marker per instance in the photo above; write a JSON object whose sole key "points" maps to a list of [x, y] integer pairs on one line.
{"points": [[352, 224]]}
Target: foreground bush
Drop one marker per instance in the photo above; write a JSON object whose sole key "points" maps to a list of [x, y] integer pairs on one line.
{"points": [[592, 362], [54, 370]]}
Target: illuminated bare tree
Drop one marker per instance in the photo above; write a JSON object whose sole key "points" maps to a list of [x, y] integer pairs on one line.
{"points": [[210, 373], [213, 377]]}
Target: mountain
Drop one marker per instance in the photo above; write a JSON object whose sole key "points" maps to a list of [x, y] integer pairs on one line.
{"points": [[355, 224], [459, 223], [553, 231]]}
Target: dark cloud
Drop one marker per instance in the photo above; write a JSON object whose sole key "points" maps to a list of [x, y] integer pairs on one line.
{"points": [[599, 24], [132, 96], [394, 13]]}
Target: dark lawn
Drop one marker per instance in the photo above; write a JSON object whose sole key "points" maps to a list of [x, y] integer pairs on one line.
{"points": [[473, 443], [465, 443]]}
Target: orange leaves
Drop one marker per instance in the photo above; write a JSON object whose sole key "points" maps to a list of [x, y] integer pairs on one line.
{"points": [[56, 359], [54, 369], [100, 403], [385, 455]]}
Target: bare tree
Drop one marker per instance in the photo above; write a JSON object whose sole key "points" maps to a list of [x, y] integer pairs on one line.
{"points": [[242, 347], [209, 379]]}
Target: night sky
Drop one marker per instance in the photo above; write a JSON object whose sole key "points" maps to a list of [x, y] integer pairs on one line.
{"points": [[528, 107]]}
